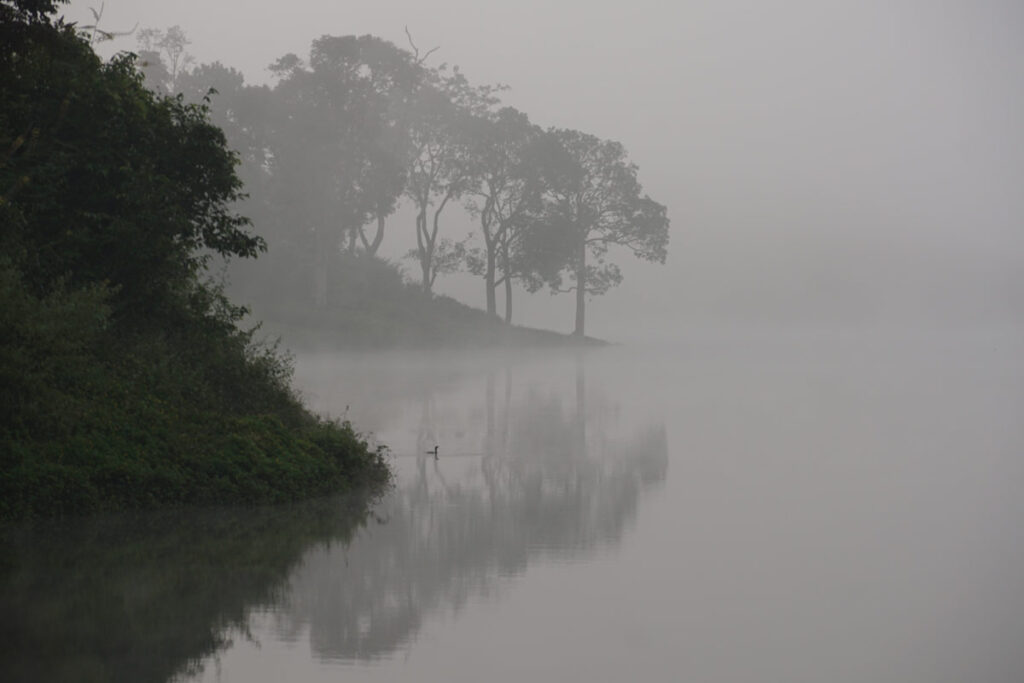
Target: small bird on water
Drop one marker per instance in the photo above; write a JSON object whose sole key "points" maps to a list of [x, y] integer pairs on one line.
{"points": [[434, 452]]}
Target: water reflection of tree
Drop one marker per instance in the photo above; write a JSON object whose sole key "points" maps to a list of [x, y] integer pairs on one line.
{"points": [[149, 597], [552, 481]]}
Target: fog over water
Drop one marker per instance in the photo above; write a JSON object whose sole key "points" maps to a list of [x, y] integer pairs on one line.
{"points": [[800, 462], [769, 509], [824, 163], [749, 511]]}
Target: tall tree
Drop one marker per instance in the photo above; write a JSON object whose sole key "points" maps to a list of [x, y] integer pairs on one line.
{"points": [[338, 145], [439, 170], [594, 198], [389, 77], [436, 172], [505, 191], [380, 80], [163, 58]]}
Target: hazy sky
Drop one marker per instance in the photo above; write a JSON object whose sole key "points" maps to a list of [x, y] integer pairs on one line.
{"points": [[857, 161]]}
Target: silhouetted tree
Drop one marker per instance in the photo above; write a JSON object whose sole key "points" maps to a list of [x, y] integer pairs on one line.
{"points": [[163, 59], [594, 200], [338, 144], [440, 169], [506, 190]]}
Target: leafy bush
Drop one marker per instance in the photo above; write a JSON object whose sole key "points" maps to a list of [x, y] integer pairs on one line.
{"points": [[100, 417]]}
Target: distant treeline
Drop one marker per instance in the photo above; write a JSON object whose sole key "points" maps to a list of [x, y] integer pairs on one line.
{"points": [[125, 380], [331, 148]]}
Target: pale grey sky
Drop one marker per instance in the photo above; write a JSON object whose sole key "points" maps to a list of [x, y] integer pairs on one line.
{"points": [[823, 161]]}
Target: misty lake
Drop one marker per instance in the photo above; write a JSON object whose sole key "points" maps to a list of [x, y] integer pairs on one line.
{"points": [[755, 508]]}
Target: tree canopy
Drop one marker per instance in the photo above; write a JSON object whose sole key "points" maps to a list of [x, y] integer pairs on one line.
{"points": [[105, 180], [594, 199], [335, 146]]}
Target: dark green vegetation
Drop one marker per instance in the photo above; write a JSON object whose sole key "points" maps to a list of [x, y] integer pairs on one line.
{"points": [[126, 380], [340, 141]]}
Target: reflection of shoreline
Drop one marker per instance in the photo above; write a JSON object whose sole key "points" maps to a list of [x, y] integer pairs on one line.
{"points": [[375, 389], [148, 597], [549, 481]]}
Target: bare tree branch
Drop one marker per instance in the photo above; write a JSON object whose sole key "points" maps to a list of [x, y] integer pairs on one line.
{"points": [[416, 50]]}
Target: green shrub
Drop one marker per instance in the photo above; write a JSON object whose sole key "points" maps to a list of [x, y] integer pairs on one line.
{"points": [[104, 414]]}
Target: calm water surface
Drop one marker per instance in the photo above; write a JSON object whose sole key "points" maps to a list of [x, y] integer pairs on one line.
{"points": [[782, 509]]}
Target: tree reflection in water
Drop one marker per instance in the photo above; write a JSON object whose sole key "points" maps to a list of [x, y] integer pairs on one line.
{"points": [[554, 478], [554, 473]]}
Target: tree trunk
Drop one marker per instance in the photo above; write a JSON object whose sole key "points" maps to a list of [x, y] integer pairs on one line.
{"points": [[492, 304], [581, 287], [508, 282], [490, 267], [429, 272], [372, 247], [428, 281], [423, 248], [508, 301]]}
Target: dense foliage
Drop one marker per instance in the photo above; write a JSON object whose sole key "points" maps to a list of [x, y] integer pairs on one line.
{"points": [[127, 381]]}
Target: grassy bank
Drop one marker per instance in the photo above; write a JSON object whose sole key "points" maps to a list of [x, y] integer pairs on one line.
{"points": [[102, 414], [369, 305]]}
